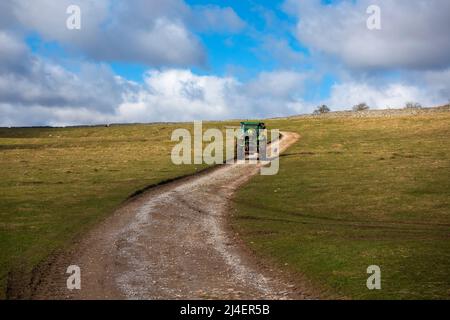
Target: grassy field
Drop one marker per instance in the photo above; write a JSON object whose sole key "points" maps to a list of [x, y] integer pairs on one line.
{"points": [[57, 182], [352, 193]]}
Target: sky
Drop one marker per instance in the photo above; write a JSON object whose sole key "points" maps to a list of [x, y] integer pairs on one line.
{"points": [[183, 60]]}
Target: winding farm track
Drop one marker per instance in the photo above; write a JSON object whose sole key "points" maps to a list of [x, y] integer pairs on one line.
{"points": [[171, 242]]}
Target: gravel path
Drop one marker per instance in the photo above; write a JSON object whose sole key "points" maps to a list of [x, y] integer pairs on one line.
{"points": [[172, 242]]}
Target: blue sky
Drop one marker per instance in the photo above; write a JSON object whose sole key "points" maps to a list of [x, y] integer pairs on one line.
{"points": [[237, 54], [161, 60], [224, 50]]}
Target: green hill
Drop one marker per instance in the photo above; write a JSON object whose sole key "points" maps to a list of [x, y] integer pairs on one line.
{"points": [[354, 192]]}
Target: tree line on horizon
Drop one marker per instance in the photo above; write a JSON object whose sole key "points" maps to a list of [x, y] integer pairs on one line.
{"points": [[323, 109]]}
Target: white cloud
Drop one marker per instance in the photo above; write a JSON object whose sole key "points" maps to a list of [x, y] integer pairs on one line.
{"points": [[37, 87], [151, 32], [47, 94], [216, 19], [407, 60], [50, 95], [148, 32], [36, 91], [180, 95], [414, 33], [173, 95], [13, 53], [439, 81], [49, 85], [280, 51], [395, 95], [279, 84]]}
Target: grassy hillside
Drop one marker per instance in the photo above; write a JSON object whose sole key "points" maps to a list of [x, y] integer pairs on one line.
{"points": [[352, 193], [57, 182]]}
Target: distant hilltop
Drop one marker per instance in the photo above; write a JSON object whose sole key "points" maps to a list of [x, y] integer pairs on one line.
{"points": [[375, 113]]}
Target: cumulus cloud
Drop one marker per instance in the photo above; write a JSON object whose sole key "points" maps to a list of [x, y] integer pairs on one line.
{"points": [[407, 60], [13, 53], [32, 87], [148, 32], [47, 94], [95, 95], [277, 84], [7, 19], [35, 90], [216, 19], [414, 33], [279, 50], [394, 95], [175, 95], [439, 81], [154, 33]]}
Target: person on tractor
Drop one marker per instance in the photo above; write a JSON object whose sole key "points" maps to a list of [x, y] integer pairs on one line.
{"points": [[252, 138]]}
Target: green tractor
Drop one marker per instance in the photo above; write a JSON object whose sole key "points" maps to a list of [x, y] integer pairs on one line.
{"points": [[252, 139]]}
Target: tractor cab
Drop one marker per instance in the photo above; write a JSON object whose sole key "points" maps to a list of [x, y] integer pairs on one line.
{"points": [[251, 135]]}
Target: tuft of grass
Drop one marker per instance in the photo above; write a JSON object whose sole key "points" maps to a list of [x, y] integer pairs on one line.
{"points": [[353, 193]]}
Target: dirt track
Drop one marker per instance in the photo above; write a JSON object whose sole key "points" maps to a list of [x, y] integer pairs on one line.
{"points": [[171, 242]]}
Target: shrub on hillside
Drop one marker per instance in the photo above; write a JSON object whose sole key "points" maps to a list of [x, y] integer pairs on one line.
{"points": [[322, 109], [361, 107], [413, 105]]}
